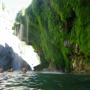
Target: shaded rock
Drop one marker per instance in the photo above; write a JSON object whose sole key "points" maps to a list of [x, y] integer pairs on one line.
{"points": [[5, 57], [10, 60]]}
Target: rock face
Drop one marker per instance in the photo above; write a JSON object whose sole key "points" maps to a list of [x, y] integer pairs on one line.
{"points": [[5, 57], [9, 59]]}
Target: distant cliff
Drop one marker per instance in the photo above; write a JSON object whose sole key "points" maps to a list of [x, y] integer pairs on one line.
{"points": [[59, 30]]}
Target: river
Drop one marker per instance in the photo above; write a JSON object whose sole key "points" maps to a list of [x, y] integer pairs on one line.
{"points": [[43, 81]]}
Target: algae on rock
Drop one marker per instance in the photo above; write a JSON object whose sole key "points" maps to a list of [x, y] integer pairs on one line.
{"points": [[60, 30]]}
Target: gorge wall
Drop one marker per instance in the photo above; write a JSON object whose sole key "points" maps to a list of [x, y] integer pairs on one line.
{"points": [[59, 30]]}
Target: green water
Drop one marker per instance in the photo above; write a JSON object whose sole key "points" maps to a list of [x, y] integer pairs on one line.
{"points": [[44, 81]]}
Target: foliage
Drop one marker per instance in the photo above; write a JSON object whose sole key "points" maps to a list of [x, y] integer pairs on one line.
{"points": [[57, 28]]}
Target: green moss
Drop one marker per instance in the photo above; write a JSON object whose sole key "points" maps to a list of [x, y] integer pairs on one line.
{"points": [[51, 23]]}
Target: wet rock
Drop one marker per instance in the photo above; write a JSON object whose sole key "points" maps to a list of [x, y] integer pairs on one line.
{"points": [[10, 61], [5, 57]]}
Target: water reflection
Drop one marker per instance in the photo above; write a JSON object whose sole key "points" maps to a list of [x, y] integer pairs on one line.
{"points": [[16, 81], [41, 81]]}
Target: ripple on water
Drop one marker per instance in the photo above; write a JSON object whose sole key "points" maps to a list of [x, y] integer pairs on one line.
{"points": [[17, 81], [43, 81]]}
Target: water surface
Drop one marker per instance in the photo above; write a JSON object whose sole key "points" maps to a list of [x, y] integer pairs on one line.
{"points": [[44, 81]]}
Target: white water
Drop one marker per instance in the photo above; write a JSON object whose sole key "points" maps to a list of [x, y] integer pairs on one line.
{"points": [[26, 52]]}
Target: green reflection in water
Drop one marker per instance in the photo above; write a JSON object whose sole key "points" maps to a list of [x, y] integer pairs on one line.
{"points": [[40, 81]]}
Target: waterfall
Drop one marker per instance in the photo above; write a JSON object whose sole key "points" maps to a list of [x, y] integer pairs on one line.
{"points": [[27, 28], [21, 53]]}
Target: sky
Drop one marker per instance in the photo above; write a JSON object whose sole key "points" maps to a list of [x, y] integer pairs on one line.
{"points": [[16, 4], [12, 7]]}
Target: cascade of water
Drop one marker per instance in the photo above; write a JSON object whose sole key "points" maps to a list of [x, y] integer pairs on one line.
{"points": [[20, 51], [27, 20]]}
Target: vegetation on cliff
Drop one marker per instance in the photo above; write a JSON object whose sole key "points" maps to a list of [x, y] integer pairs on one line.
{"points": [[59, 30]]}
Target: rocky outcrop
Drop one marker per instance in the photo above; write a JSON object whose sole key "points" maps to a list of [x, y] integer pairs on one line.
{"points": [[5, 57], [10, 60]]}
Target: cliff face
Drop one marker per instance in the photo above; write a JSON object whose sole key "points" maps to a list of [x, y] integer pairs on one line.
{"points": [[59, 30]]}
